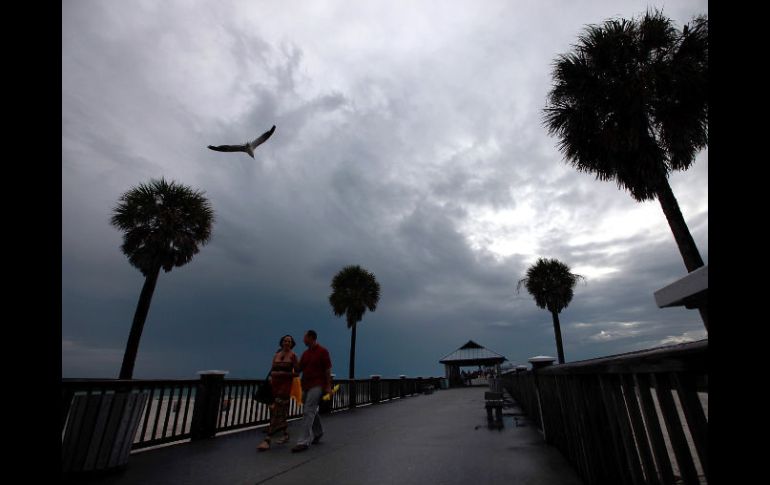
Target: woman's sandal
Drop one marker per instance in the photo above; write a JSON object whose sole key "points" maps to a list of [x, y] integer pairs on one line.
{"points": [[265, 445], [283, 440]]}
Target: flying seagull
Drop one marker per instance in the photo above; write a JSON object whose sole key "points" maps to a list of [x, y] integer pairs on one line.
{"points": [[247, 147]]}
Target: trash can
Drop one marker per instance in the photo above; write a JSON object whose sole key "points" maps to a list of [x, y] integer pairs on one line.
{"points": [[444, 383]]}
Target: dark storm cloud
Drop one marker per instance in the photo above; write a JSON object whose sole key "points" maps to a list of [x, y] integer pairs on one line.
{"points": [[412, 158]]}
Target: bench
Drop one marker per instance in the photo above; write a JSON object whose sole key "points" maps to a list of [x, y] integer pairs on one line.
{"points": [[494, 402]]}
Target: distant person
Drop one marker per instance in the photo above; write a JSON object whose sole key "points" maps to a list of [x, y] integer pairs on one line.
{"points": [[282, 372], [316, 367]]}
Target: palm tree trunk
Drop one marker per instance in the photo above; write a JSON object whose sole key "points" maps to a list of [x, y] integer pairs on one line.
{"points": [[353, 351], [557, 332], [142, 308], [684, 240]]}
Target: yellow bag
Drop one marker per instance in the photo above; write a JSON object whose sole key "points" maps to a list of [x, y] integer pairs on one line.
{"points": [[296, 390]]}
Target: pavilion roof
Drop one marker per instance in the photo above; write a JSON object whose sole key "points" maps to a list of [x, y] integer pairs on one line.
{"points": [[473, 354]]}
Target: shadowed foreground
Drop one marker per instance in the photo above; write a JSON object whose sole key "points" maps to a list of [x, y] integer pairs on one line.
{"points": [[439, 438]]}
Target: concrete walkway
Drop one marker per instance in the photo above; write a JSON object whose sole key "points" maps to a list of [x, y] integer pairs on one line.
{"points": [[441, 438]]}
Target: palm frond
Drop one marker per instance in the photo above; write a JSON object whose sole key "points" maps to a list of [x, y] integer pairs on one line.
{"points": [[164, 223], [354, 291], [629, 103], [551, 283]]}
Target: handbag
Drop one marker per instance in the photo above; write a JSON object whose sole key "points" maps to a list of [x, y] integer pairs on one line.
{"points": [[264, 392]]}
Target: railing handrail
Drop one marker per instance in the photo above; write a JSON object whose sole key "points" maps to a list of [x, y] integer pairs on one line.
{"points": [[102, 381], [679, 357], [125, 382]]}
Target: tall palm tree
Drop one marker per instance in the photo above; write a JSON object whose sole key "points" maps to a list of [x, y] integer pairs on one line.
{"points": [[163, 225], [354, 290], [630, 104], [552, 284]]}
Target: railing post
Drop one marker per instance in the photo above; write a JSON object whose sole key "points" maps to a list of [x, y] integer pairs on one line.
{"points": [[208, 395], [353, 392], [376, 388], [401, 384], [538, 362]]}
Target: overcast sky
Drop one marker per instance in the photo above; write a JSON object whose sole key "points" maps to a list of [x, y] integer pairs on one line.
{"points": [[409, 141]]}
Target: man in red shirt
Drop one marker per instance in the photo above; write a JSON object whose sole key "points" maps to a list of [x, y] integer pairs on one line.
{"points": [[316, 367]]}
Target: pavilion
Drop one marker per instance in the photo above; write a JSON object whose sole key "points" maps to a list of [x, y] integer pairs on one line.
{"points": [[470, 354]]}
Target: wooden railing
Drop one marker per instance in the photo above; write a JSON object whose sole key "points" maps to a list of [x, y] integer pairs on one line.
{"points": [[637, 418], [171, 413]]}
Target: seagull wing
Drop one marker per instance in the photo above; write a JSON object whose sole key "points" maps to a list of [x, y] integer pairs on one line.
{"points": [[228, 148], [263, 138]]}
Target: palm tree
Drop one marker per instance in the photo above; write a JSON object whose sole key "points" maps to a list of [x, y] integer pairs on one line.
{"points": [[552, 284], [163, 225], [630, 104], [354, 290]]}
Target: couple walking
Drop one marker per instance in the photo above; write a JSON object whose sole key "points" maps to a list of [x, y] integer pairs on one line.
{"points": [[316, 368]]}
